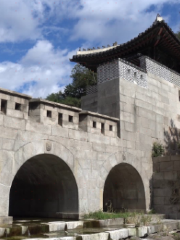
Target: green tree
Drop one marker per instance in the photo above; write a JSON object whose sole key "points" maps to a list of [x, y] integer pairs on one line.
{"points": [[82, 77], [55, 97]]}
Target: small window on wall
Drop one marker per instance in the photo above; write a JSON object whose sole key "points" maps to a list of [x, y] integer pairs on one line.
{"points": [[60, 119], [3, 106], [70, 118], [102, 128], [18, 106], [49, 113], [110, 127], [135, 74], [94, 124], [179, 95], [128, 71]]}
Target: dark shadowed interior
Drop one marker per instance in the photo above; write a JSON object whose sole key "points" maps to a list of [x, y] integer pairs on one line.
{"points": [[44, 186], [124, 188]]}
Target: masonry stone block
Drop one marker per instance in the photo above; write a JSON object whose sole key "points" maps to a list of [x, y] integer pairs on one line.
{"points": [[127, 117], [38, 127], [166, 166], [14, 123], [79, 135], [99, 147], [6, 177], [95, 236], [170, 175], [158, 200], [98, 138], [15, 113], [4, 96], [129, 127], [1, 119], [142, 231], [59, 131], [8, 144], [74, 224], [118, 234], [4, 206]]}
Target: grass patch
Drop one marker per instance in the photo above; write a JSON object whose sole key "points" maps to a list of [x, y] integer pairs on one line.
{"points": [[106, 215]]}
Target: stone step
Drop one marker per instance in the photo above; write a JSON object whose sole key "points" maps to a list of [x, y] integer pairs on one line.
{"points": [[103, 223]]}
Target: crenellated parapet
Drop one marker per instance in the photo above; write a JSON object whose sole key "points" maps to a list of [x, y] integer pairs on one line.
{"points": [[21, 108]]}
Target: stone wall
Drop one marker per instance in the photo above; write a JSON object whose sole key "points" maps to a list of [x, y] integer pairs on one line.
{"points": [[121, 68], [138, 116], [145, 113], [159, 70], [166, 186]]}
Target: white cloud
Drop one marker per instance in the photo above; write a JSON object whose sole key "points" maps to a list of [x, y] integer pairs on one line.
{"points": [[21, 20], [25, 20], [102, 22], [114, 20], [42, 64]]}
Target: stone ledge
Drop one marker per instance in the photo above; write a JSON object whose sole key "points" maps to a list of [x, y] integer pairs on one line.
{"points": [[5, 91], [98, 115], [6, 220]]}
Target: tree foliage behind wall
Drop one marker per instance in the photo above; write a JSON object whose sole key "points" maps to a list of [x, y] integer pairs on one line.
{"points": [[82, 77]]}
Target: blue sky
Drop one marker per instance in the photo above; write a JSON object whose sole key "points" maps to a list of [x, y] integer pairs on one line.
{"points": [[37, 37]]}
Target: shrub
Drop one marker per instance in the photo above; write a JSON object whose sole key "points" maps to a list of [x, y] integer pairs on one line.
{"points": [[157, 149], [106, 215]]}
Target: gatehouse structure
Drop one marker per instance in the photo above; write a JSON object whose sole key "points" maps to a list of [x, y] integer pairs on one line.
{"points": [[62, 161]]}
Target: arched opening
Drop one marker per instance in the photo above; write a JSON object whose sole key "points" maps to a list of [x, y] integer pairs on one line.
{"points": [[44, 186], [124, 189]]}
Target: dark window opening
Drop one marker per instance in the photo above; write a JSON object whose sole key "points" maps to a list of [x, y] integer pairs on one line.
{"points": [[60, 119], [3, 106], [94, 124], [179, 95], [18, 106], [33, 105], [141, 76], [128, 71], [49, 114], [70, 118], [102, 128], [135, 74], [110, 127]]}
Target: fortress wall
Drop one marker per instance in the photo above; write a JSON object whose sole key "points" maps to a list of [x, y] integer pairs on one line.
{"points": [[144, 113], [166, 187]]}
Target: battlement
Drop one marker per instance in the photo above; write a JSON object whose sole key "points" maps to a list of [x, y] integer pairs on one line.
{"points": [[23, 107]]}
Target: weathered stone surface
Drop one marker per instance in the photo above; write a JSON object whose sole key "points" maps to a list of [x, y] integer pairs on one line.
{"points": [[56, 226], [95, 236], [142, 231], [91, 152], [118, 234], [132, 232], [73, 225]]}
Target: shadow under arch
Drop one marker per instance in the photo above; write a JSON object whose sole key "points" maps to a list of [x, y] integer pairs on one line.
{"points": [[44, 186], [124, 188]]}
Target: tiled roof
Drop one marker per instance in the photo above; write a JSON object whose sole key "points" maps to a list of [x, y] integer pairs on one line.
{"points": [[158, 33]]}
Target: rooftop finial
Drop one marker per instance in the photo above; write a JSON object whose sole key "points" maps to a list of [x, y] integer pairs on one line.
{"points": [[159, 18]]}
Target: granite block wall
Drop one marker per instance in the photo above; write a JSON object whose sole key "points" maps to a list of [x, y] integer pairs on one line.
{"points": [[166, 186]]}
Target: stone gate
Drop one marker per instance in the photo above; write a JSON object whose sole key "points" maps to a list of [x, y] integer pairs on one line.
{"points": [[62, 161]]}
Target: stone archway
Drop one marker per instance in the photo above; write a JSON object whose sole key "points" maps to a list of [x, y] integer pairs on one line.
{"points": [[124, 188], [44, 186], [52, 152]]}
